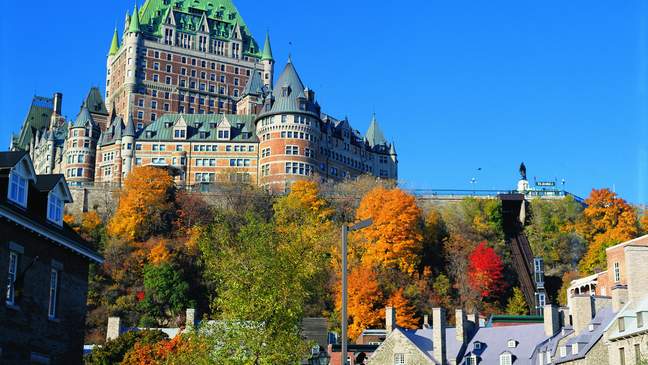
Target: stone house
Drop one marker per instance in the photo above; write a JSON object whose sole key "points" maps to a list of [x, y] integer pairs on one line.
{"points": [[43, 265]]}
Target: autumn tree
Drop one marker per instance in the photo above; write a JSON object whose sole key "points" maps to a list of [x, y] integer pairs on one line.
{"points": [[516, 304], [405, 311], [146, 205], [394, 240], [365, 306], [485, 271], [606, 221]]}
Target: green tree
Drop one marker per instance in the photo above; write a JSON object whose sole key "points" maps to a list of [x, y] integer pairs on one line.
{"points": [[113, 351], [517, 305], [166, 294]]}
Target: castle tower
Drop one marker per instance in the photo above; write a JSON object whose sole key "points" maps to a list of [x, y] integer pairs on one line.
{"points": [[80, 153], [268, 63], [128, 150], [131, 45], [384, 164], [112, 52], [288, 127], [253, 95]]}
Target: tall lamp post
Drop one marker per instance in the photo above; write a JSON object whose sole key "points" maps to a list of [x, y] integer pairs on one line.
{"points": [[345, 231]]}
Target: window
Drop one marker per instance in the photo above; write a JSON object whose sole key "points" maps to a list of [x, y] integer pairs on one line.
{"points": [[399, 359], [179, 133], [617, 272], [11, 278], [17, 189], [574, 348], [53, 293], [55, 209], [506, 359], [622, 356], [292, 150], [621, 322], [511, 344], [471, 360], [563, 351], [637, 348], [640, 319]]}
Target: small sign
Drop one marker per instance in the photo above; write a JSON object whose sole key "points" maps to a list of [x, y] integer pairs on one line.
{"points": [[546, 183]]}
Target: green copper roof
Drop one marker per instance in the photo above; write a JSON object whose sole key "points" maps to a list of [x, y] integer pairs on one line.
{"points": [[134, 26], [254, 84], [222, 19], [267, 49], [114, 45], [374, 135], [242, 127]]}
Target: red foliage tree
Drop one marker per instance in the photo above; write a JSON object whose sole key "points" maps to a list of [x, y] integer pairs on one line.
{"points": [[485, 271]]}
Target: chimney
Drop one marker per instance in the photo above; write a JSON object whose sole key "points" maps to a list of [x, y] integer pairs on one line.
{"points": [[390, 319], [461, 323], [114, 328], [636, 271], [582, 312], [473, 320], [426, 321], [619, 297], [190, 318], [438, 334], [58, 103], [551, 320]]}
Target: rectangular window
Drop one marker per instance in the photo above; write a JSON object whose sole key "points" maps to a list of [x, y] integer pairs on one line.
{"points": [[637, 348], [292, 150], [399, 359], [53, 292], [621, 322], [622, 356], [617, 272], [18, 189], [55, 209], [11, 278], [505, 359]]}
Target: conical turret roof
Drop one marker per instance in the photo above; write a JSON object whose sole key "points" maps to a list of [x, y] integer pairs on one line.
{"points": [[114, 45], [83, 118], [134, 26], [129, 131], [374, 135], [267, 49]]}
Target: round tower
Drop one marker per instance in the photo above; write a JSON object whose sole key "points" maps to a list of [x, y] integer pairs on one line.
{"points": [[268, 63], [80, 154], [132, 39], [128, 144], [288, 128]]}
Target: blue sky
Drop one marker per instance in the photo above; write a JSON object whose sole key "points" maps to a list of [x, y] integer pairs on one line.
{"points": [[458, 85]]}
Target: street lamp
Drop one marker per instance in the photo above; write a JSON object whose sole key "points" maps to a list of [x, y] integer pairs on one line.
{"points": [[345, 230]]}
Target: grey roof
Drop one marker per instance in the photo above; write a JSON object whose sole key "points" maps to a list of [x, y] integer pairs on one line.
{"points": [[113, 133], [494, 342], [374, 135], [83, 118], [129, 131], [242, 127], [95, 102], [47, 182], [254, 85], [285, 98], [422, 338], [586, 339]]}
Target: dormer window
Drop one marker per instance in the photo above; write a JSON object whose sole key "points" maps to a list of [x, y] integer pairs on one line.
{"points": [[285, 91], [621, 322], [478, 345], [506, 359], [563, 351], [591, 327], [179, 133], [54, 209], [203, 135], [511, 344], [640, 319], [17, 189], [223, 134], [574, 349]]}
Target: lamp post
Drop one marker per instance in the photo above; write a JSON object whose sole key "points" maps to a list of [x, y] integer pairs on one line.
{"points": [[345, 231]]}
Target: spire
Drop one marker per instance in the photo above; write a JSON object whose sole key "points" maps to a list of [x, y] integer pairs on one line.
{"points": [[134, 26], [392, 149], [83, 117], [114, 46], [374, 135], [129, 131], [267, 49]]}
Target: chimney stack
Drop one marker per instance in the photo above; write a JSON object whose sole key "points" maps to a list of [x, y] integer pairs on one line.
{"points": [[114, 328], [58, 103], [619, 297], [390, 319], [426, 321], [461, 323], [190, 318], [551, 320], [438, 334], [473, 319], [582, 312], [636, 271]]}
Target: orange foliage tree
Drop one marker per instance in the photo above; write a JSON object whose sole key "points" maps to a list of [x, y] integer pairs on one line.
{"points": [[145, 205], [394, 240], [606, 221], [365, 305], [405, 311]]}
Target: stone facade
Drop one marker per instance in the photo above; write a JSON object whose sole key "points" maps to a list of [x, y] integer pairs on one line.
{"points": [[397, 344]]}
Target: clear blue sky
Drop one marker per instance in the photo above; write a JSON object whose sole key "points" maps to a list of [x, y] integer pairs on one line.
{"points": [[458, 85]]}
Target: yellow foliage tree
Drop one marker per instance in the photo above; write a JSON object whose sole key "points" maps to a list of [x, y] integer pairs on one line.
{"points": [[394, 240], [159, 253], [405, 311], [606, 221], [365, 304], [145, 204]]}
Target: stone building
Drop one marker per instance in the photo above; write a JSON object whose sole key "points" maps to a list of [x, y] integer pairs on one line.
{"points": [[44, 265]]}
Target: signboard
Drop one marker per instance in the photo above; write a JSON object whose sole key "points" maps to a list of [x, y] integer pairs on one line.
{"points": [[545, 183]]}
